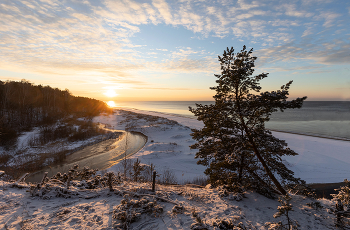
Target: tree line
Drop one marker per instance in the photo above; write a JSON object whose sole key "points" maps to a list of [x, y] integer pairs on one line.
{"points": [[24, 105]]}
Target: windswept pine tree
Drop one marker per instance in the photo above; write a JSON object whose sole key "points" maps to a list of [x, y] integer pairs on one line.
{"points": [[234, 143]]}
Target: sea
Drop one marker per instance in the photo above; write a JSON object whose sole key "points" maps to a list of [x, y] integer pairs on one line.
{"points": [[330, 119]]}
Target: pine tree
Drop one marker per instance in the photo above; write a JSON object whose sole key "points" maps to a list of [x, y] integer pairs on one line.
{"points": [[137, 170], [234, 144], [342, 207], [283, 210]]}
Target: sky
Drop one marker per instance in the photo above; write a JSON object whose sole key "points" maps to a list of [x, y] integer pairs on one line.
{"points": [[168, 50]]}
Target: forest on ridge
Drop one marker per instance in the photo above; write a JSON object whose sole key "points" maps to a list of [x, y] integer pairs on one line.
{"points": [[24, 105]]}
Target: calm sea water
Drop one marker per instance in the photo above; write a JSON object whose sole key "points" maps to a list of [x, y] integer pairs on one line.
{"points": [[321, 118]]}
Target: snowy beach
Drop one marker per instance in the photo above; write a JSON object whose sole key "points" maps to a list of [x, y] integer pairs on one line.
{"points": [[320, 160], [175, 206]]}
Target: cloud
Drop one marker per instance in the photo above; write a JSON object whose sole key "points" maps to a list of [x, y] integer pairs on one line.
{"points": [[64, 37], [117, 81], [122, 18], [7, 78], [329, 18], [127, 12], [163, 88], [284, 23], [205, 65], [243, 5], [308, 31], [315, 2], [291, 10], [330, 53], [183, 52], [341, 56], [164, 10]]}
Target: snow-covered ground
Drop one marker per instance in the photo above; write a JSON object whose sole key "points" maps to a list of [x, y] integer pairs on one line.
{"points": [[170, 207], [167, 147], [319, 160]]}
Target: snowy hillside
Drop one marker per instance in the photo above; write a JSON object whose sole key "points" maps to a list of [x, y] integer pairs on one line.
{"points": [[170, 207], [134, 206]]}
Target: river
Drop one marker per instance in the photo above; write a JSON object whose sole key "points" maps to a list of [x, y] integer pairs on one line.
{"points": [[99, 156]]}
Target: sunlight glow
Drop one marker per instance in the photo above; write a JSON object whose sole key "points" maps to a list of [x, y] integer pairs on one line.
{"points": [[110, 93], [111, 104]]}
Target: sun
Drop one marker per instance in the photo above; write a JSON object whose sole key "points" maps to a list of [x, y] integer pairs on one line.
{"points": [[110, 93], [111, 104]]}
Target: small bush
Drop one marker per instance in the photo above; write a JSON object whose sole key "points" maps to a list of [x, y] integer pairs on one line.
{"points": [[167, 177], [342, 207], [199, 224], [315, 205], [226, 224], [137, 171], [284, 210], [125, 167], [131, 210]]}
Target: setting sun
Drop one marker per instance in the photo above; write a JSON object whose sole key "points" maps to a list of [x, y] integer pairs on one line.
{"points": [[111, 104], [110, 93]]}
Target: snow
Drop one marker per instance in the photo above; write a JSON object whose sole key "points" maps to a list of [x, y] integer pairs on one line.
{"points": [[167, 146], [23, 139], [319, 160], [180, 204]]}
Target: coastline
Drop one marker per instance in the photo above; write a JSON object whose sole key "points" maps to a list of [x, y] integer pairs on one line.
{"points": [[322, 188], [156, 113], [320, 159], [312, 135]]}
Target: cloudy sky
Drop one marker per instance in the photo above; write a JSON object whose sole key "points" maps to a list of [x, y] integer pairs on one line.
{"points": [[168, 50]]}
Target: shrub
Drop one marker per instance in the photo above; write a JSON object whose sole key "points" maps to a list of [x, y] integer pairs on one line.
{"points": [[131, 210], [167, 177], [137, 170]]}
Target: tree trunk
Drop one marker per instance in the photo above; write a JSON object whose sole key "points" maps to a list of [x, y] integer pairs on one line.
{"points": [[256, 151], [268, 171]]}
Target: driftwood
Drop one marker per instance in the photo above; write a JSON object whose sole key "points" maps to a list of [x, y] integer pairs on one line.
{"points": [[22, 178], [55, 181], [43, 180], [69, 178]]}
